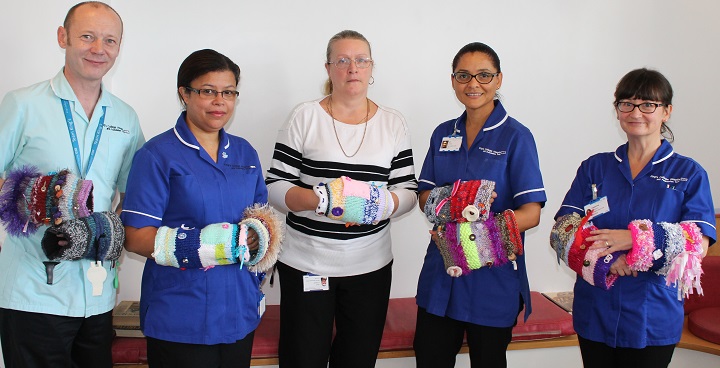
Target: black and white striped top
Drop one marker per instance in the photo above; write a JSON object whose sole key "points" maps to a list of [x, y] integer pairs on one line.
{"points": [[307, 153]]}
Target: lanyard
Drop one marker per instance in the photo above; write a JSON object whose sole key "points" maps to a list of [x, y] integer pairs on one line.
{"points": [[74, 138]]}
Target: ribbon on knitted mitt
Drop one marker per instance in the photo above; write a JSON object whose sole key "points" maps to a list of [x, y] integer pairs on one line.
{"points": [[462, 201], [29, 199], [354, 202], [98, 237]]}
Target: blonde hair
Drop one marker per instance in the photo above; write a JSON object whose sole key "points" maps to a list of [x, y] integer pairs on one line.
{"points": [[342, 35]]}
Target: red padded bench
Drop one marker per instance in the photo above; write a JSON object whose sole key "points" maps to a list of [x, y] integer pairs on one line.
{"points": [[548, 326]]}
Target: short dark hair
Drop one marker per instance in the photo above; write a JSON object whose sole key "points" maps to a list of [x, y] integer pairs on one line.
{"points": [[94, 4], [202, 62], [477, 47], [646, 84]]}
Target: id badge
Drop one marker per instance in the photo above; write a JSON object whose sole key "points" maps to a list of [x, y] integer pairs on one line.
{"points": [[451, 144], [315, 283], [598, 206], [261, 307]]}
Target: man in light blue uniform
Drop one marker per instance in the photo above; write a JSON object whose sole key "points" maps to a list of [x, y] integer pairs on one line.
{"points": [[49, 317]]}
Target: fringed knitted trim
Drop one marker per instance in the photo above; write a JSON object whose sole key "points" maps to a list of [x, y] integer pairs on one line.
{"points": [[13, 201], [276, 231]]}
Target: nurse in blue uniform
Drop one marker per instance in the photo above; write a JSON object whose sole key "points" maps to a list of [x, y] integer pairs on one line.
{"points": [[638, 321], [483, 143], [191, 176]]}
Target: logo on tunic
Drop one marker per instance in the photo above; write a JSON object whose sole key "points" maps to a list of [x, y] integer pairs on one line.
{"points": [[668, 180], [493, 152], [224, 155], [113, 128]]}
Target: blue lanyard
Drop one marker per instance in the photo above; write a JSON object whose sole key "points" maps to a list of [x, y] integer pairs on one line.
{"points": [[74, 138]]}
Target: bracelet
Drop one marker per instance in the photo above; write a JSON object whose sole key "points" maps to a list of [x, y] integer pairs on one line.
{"points": [[640, 257], [321, 191]]}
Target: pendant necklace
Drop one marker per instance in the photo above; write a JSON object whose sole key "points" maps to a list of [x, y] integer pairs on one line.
{"points": [[367, 115]]}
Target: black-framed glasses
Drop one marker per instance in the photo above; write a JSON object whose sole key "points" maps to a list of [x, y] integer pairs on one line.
{"points": [[207, 93], [482, 77], [645, 107], [344, 63]]}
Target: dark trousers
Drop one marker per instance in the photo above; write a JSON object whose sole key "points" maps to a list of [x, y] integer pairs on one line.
{"points": [[168, 354], [36, 340], [356, 304], [599, 355], [439, 339]]}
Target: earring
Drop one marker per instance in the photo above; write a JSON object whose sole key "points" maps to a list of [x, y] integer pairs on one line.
{"points": [[372, 80]]}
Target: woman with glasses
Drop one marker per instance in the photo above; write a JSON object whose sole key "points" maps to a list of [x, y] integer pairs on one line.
{"points": [[483, 143], [640, 218], [342, 167], [188, 189]]}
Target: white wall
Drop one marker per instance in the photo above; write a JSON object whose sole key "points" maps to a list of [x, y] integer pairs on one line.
{"points": [[560, 60]]}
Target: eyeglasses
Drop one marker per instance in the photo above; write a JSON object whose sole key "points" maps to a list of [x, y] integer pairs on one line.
{"points": [[482, 77], [645, 107], [344, 63], [207, 93]]}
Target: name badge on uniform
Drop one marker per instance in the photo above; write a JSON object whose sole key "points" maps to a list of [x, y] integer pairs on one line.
{"points": [[598, 206], [315, 283], [451, 143]]}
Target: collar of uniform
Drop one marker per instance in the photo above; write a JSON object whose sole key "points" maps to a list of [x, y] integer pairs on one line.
{"points": [[186, 137], [61, 88], [663, 153], [497, 117]]}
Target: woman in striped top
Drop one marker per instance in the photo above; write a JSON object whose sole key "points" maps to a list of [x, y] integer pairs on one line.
{"points": [[343, 134]]}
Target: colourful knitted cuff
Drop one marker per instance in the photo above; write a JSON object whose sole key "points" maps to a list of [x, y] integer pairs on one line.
{"points": [[372, 208], [445, 251], [563, 233], [262, 217], [336, 200], [15, 199], [576, 255], [640, 257], [673, 245], [217, 244], [513, 231], [187, 243], [482, 198], [483, 243], [470, 249], [686, 268], [455, 248], [98, 237], [164, 248], [498, 250], [321, 191], [596, 271], [437, 206]]}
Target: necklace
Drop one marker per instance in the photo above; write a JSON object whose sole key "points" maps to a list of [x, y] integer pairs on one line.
{"points": [[367, 116]]}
